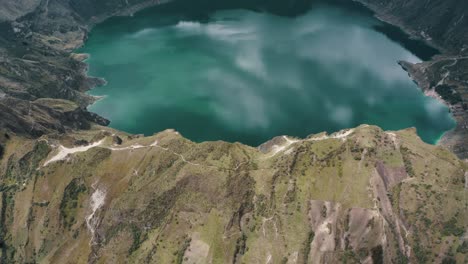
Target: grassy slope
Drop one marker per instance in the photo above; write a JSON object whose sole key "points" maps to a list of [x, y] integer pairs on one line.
{"points": [[330, 200]]}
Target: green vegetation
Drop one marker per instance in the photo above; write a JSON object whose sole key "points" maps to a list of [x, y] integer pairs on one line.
{"points": [[69, 203], [349, 256], [181, 252], [240, 246], [136, 235], [449, 260], [377, 255], [394, 196], [421, 253], [449, 94], [400, 258], [450, 228], [307, 244], [406, 153], [463, 248], [1, 151], [167, 204]]}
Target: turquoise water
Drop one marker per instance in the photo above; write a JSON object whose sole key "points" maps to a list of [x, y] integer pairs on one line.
{"points": [[242, 75]]}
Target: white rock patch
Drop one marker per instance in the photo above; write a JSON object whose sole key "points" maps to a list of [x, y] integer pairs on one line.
{"points": [[278, 148], [64, 152], [97, 201], [339, 135]]}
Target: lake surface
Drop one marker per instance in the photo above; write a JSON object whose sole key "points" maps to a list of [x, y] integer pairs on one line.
{"points": [[244, 75]]}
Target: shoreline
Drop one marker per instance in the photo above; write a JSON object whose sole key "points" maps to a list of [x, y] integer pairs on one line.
{"points": [[394, 21], [450, 139], [455, 138], [84, 57]]}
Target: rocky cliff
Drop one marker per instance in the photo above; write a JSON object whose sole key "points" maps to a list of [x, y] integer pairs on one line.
{"points": [[441, 23], [358, 196]]}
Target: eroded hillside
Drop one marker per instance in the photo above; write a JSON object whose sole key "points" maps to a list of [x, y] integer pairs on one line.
{"points": [[357, 196]]}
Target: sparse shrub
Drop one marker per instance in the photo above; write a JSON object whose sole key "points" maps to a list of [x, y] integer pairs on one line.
{"points": [[419, 251], [240, 246], [377, 255], [180, 253], [350, 256], [451, 228], [69, 202], [306, 249], [449, 260], [323, 212], [448, 94], [405, 152], [463, 248]]}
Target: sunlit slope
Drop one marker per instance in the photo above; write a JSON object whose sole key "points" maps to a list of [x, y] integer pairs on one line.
{"points": [[355, 195]]}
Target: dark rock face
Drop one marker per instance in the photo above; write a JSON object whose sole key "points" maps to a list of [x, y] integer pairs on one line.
{"points": [[37, 38], [11, 10], [443, 24], [39, 117]]}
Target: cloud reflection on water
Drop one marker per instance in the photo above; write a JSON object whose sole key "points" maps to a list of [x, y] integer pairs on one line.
{"points": [[254, 75]]}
